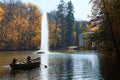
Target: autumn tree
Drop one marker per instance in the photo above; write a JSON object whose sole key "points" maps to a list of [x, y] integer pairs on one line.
{"points": [[105, 14], [20, 28], [1, 14]]}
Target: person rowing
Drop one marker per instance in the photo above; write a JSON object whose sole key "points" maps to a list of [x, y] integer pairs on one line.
{"points": [[14, 61], [28, 59]]}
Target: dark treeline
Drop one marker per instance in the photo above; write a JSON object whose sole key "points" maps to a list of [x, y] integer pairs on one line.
{"points": [[19, 26], [64, 29], [106, 16]]}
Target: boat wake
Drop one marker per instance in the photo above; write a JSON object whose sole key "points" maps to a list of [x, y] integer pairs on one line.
{"points": [[6, 67]]}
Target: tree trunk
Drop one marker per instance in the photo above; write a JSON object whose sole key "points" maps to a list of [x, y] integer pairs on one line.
{"points": [[116, 45]]}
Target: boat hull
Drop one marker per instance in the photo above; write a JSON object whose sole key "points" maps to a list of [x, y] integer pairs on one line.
{"points": [[25, 65], [40, 52]]}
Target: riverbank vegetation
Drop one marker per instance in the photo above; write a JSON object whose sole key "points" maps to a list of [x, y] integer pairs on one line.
{"points": [[105, 16], [104, 24], [63, 28], [19, 26], [61, 23]]}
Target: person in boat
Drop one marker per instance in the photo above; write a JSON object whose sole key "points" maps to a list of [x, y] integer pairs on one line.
{"points": [[14, 61], [28, 59]]}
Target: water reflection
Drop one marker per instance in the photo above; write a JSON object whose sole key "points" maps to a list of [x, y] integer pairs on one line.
{"points": [[60, 66], [23, 75], [74, 67], [87, 68], [44, 70]]}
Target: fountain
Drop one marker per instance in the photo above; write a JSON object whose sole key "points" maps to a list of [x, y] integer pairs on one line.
{"points": [[44, 46], [44, 34]]}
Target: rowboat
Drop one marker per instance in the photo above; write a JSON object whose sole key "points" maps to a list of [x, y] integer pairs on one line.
{"points": [[26, 65], [40, 52]]}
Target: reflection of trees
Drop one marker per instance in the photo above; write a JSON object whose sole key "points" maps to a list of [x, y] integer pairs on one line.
{"points": [[86, 67], [68, 68], [22, 75], [74, 67], [110, 69], [63, 68]]}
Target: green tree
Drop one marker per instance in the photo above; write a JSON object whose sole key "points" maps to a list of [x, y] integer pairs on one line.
{"points": [[61, 23], [70, 23]]}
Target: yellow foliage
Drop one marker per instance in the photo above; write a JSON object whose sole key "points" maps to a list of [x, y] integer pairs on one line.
{"points": [[1, 14], [1, 11], [20, 27]]}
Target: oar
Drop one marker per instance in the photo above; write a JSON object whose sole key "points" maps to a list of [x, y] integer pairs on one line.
{"points": [[38, 59]]}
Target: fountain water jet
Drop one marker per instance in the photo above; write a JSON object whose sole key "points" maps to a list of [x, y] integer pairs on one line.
{"points": [[44, 47], [44, 34]]}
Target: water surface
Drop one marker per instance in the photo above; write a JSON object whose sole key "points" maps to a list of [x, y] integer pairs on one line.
{"points": [[82, 65]]}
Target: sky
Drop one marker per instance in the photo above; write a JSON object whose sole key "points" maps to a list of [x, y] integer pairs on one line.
{"points": [[81, 7]]}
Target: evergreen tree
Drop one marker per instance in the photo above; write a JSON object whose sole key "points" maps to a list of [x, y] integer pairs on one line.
{"points": [[61, 23], [70, 23]]}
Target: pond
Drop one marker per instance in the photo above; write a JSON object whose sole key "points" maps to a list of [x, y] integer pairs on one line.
{"points": [[79, 65]]}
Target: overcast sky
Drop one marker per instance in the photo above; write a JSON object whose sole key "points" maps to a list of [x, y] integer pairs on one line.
{"points": [[81, 7]]}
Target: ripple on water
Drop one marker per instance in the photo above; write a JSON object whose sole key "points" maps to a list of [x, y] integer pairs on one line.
{"points": [[60, 67]]}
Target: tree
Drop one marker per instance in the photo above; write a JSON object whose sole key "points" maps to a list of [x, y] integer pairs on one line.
{"points": [[70, 23], [1, 13], [20, 27], [61, 22], [107, 19]]}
